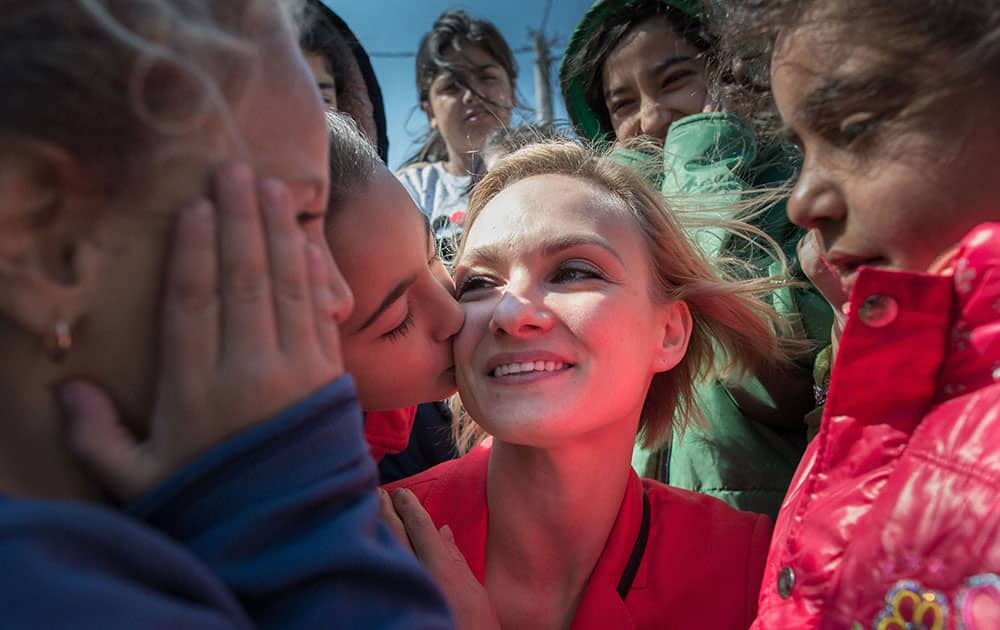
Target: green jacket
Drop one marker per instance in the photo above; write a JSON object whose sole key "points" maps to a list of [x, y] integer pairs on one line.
{"points": [[709, 161]]}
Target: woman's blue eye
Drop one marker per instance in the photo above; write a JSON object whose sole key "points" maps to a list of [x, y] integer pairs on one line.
{"points": [[400, 331], [575, 274], [471, 284]]}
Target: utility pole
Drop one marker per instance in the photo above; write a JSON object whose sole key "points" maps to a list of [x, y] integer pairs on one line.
{"points": [[543, 92]]}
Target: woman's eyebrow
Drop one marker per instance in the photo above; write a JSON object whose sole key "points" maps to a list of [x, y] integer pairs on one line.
{"points": [[492, 255], [484, 256], [569, 241]]}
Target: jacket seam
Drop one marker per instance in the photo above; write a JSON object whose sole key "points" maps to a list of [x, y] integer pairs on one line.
{"points": [[770, 490], [965, 469]]}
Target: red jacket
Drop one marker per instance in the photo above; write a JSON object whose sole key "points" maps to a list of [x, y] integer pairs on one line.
{"points": [[388, 432], [700, 567], [894, 513]]}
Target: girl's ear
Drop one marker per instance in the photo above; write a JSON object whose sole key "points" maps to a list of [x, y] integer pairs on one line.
{"points": [[676, 326], [46, 261]]}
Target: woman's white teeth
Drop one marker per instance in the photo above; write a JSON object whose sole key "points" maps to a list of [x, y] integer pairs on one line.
{"points": [[528, 366]]}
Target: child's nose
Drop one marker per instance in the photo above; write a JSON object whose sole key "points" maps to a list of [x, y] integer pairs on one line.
{"points": [[815, 200], [469, 95], [655, 120]]}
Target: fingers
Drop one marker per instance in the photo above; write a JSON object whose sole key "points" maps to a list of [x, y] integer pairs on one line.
{"points": [[100, 441], [286, 252], [191, 304], [247, 307], [449, 545], [388, 514], [437, 551], [812, 259], [447, 534], [424, 537], [332, 302]]}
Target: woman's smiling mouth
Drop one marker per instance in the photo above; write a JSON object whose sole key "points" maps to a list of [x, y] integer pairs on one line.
{"points": [[529, 366]]}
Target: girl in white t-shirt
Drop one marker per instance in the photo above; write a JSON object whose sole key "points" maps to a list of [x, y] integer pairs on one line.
{"points": [[465, 81]]}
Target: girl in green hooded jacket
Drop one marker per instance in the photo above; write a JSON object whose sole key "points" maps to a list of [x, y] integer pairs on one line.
{"points": [[639, 68]]}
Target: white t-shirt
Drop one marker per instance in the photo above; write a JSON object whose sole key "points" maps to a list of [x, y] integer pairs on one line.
{"points": [[442, 197]]}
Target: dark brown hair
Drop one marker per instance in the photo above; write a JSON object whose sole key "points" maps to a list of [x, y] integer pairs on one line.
{"points": [[453, 31], [588, 61], [353, 160], [924, 45], [325, 34]]}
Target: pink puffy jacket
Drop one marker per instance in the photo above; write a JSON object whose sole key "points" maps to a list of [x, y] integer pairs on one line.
{"points": [[893, 518]]}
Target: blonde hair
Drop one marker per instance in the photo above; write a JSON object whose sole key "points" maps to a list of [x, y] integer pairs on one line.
{"points": [[734, 328]]}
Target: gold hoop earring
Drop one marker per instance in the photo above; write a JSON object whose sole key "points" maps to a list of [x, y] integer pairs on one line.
{"points": [[60, 341]]}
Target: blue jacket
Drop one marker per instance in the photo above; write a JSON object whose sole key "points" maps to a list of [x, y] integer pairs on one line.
{"points": [[276, 528]]}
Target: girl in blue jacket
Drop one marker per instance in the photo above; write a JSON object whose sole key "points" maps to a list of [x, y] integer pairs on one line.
{"points": [[195, 323]]}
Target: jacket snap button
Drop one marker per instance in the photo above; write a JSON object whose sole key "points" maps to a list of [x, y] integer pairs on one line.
{"points": [[878, 310], [786, 581]]}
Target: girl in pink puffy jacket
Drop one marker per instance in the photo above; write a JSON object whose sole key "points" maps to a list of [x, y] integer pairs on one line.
{"points": [[893, 518]]}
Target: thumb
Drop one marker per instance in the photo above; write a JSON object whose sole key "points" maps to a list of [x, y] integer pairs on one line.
{"points": [[98, 438], [812, 258], [447, 534]]}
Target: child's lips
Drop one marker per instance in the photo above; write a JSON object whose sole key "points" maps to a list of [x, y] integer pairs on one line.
{"points": [[847, 267], [476, 116]]}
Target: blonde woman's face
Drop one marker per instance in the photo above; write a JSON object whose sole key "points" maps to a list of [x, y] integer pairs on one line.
{"points": [[561, 337]]}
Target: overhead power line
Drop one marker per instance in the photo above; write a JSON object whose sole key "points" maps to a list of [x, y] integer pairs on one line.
{"points": [[545, 16], [392, 54]]}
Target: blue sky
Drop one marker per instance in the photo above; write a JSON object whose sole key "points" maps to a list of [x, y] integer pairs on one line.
{"points": [[396, 26]]}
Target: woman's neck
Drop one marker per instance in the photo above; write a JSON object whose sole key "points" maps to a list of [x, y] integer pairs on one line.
{"points": [[550, 515]]}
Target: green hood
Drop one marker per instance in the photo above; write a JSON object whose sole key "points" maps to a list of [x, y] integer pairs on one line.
{"points": [[584, 119]]}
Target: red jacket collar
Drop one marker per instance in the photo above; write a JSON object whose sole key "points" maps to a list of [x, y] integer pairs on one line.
{"points": [[600, 606], [948, 323]]}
